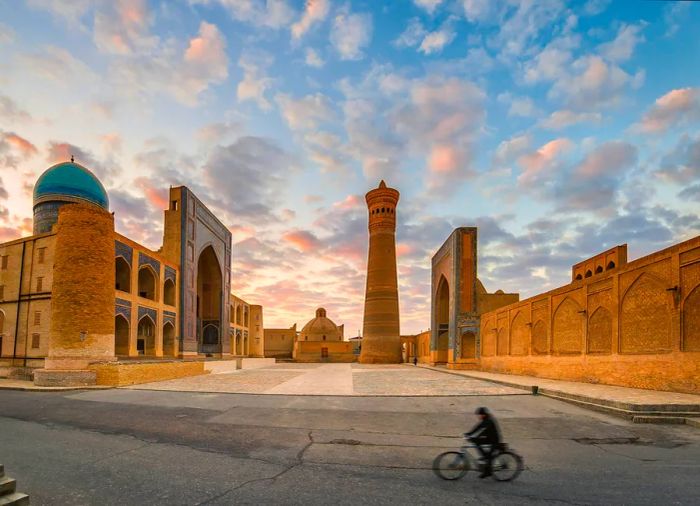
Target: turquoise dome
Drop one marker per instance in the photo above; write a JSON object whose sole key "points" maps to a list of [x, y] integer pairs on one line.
{"points": [[70, 182]]}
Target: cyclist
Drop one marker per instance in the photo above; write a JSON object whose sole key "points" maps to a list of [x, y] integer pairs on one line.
{"points": [[486, 437]]}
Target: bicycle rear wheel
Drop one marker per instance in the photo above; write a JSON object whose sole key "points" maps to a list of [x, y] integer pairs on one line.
{"points": [[506, 466], [450, 465]]}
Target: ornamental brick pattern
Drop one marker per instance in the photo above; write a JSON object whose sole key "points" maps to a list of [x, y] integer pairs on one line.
{"points": [[381, 343]]}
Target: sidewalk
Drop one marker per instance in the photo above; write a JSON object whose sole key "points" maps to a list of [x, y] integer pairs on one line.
{"points": [[13, 384], [642, 406]]}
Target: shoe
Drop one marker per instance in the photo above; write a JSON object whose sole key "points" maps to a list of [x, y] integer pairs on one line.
{"points": [[485, 473]]}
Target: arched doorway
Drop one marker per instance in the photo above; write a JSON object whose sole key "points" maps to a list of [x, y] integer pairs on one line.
{"points": [[122, 275], [146, 337], [168, 340], [442, 317], [147, 283], [209, 296], [121, 335], [169, 292]]}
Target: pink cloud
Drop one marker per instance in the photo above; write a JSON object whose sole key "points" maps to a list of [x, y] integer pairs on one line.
{"points": [[676, 106], [349, 202], [445, 159], [403, 249], [156, 196], [303, 240], [315, 11], [21, 144], [541, 160]]}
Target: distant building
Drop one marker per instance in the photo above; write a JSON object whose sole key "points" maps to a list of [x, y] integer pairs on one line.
{"points": [[321, 340]]}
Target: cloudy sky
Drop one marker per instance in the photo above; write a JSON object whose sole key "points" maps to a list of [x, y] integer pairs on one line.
{"points": [[558, 128]]}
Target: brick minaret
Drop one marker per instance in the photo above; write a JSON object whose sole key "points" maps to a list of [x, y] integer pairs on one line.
{"points": [[381, 343]]}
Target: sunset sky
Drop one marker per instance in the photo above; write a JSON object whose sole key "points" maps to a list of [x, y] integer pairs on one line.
{"points": [[558, 128]]}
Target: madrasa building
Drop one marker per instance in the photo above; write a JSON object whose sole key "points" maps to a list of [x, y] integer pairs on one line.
{"points": [[76, 293]]}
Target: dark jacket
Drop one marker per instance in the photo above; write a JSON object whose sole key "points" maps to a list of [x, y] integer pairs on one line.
{"points": [[486, 431]]}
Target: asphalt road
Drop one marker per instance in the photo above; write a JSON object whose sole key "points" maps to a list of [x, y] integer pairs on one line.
{"points": [[149, 447]]}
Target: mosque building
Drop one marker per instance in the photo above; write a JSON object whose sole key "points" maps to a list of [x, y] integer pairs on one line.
{"points": [[322, 340], [76, 292]]}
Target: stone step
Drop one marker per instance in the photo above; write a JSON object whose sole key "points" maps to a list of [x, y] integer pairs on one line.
{"points": [[676, 420], [15, 499], [7, 485], [693, 422]]}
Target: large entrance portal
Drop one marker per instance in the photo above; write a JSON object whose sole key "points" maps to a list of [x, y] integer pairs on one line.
{"points": [[442, 312], [209, 297]]}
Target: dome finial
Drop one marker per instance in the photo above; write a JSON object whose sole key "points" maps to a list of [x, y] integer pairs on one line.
{"points": [[382, 184], [72, 159]]}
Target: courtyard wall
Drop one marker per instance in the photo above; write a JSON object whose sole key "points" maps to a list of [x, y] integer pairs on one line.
{"points": [[635, 325]]}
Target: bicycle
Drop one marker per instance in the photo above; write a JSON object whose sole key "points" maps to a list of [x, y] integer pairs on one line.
{"points": [[506, 465]]}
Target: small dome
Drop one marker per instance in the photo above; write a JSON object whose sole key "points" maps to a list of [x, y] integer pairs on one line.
{"points": [[70, 182], [320, 327]]}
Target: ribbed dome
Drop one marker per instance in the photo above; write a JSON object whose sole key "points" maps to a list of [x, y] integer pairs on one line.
{"points": [[70, 182], [320, 327]]}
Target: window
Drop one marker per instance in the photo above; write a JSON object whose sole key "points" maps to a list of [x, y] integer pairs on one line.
{"points": [[169, 292], [3, 262], [122, 276], [36, 339], [589, 273], [39, 284], [578, 277], [41, 254], [173, 205], [324, 338], [599, 269], [37, 317], [2, 292], [611, 265]]}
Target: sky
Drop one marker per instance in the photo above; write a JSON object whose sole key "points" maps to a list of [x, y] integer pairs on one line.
{"points": [[559, 129]]}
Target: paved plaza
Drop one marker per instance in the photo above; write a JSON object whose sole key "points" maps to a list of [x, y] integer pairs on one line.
{"points": [[334, 379], [159, 446]]}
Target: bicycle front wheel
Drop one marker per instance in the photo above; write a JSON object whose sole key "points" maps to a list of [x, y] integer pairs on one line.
{"points": [[506, 466], [450, 465]]}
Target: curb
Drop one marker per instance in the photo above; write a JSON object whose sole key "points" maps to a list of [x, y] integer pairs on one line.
{"points": [[652, 413]]}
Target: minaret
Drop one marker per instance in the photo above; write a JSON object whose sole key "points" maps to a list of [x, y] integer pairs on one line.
{"points": [[381, 343]]}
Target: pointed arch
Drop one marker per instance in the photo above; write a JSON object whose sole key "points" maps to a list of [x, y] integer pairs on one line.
{"points": [[169, 292], [540, 341], [169, 349], [468, 345], [122, 274], [519, 335], [122, 332], [600, 331], [567, 328], [442, 319], [488, 341], [645, 316], [147, 282], [691, 321], [146, 336]]}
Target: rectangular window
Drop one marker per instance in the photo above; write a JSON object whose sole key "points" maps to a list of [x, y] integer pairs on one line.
{"points": [[3, 262], [36, 339], [173, 205], [41, 254], [37, 317], [2, 292], [39, 284]]}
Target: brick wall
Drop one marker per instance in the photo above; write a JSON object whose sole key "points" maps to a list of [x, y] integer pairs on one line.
{"points": [[118, 374], [637, 325]]}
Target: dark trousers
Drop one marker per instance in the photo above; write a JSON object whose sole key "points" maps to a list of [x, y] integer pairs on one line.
{"points": [[485, 449]]}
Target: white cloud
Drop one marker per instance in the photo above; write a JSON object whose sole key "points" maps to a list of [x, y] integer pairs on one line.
{"points": [[565, 118], [304, 113], [313, 59], [121, 27], [509, 150], [412, 35], [70, 10], [428, 5], [622, 47], [435, 41], [184, 73], [351, 34], [519, 106], [273, 14], [255, 83], [314, 12]]}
